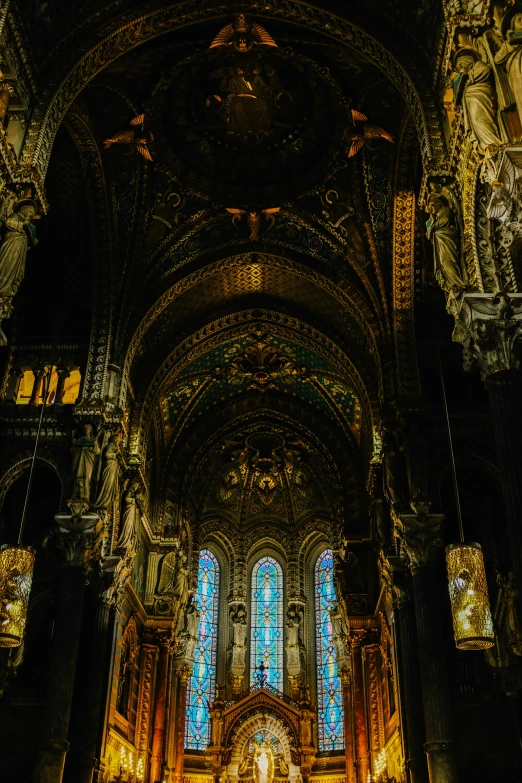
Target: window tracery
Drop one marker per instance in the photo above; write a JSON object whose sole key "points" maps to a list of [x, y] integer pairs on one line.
{"points": [[202, 684], [329, 694], [266, 641]]}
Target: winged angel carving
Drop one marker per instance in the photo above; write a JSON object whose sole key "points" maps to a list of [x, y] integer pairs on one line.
{"points": [[242, 35], [135, 136], [254, 218]]}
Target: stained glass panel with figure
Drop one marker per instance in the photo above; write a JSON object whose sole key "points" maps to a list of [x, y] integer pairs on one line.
{"points": [[329, 695], [202, 683], [266, 642]]}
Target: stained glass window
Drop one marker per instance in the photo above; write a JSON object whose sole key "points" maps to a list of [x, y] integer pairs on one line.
{"points": [[266, 641], [202, 684], [329, 695]]}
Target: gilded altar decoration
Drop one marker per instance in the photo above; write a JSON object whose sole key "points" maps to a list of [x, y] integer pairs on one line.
{"points": [[16, 575], [135, 136], [472, 621]]}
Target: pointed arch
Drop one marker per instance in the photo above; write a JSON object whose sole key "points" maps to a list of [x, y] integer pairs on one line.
{"points": [[330, 712], [202, 684], [266, 613]]}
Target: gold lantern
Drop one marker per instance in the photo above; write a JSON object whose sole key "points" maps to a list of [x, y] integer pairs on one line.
{"points": [[16, 576], [472, 622]]}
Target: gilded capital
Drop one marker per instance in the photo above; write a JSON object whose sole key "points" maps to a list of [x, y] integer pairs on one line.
{"points": [[489, 326], [420, 539]]}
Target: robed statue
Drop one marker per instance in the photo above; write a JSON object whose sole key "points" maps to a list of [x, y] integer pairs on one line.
{"points": [[443, 233], [110, 467], [18, 234], [473, 89], [510, 55], [131, 512], [85, 449]]}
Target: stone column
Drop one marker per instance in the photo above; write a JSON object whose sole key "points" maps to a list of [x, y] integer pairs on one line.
{"points": [[60, 387], [37, 386], [76, 543], [109, 589], [409, 679], [421, 545], [490, 328], [371, 654], [357, 636], [160, 704], [182, 673], [346, 681]]}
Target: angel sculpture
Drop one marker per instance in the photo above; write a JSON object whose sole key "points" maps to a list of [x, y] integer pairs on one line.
{"points": [[135, 135], [168, 573], [254, 218], [242, 35], [359, 134]]}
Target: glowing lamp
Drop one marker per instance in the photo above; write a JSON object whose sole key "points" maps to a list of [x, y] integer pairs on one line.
{"points": [[16, 576], [472, 621]]}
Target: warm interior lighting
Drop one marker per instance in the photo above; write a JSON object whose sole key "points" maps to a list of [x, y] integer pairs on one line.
{"points": [[472, 622], [16, 576]]}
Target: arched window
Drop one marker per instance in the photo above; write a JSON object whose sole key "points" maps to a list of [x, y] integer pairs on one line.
{"points": [[202, 684], [329, 695], [266, 609]]}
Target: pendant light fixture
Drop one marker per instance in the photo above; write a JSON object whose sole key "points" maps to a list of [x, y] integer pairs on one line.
{"points": [[468, 589], [17, 562]]}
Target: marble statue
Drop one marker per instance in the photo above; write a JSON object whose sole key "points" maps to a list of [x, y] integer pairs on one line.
{"points": [[473, 88], [131, 502], [110, 468], [84, 450], [18, 235], [393, 463], [510, 56], [293, 625], [442, 231], [239, 626], [262, 767]]}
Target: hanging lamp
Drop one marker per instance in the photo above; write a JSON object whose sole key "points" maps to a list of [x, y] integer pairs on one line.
{"points": [[468, 588], [17, 562]]}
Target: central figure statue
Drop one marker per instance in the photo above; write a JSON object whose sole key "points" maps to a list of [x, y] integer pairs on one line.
{"points": [[249, 105]]}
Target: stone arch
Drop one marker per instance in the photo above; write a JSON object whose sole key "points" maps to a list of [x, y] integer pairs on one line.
{"points": [[78, 125], [18, 464], [229, 328], [137, 28]]}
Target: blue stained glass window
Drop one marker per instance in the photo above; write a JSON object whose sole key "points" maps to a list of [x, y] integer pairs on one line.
{"points": [[202, 684], [329, 693], [266, 605]]}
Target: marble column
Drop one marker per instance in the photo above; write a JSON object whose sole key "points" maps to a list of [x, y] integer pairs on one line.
{"points": [[357, 636], [421, 547], [95, 695], [490, 328], [160, 704], [76, 542], [409, 678], [347, 686], [182, 674]]}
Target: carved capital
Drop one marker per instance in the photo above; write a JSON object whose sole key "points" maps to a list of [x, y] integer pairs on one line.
{"points": [[358, 637], [420, 539], [77, 540], [489, 326], [183, 673], [393, 575]]}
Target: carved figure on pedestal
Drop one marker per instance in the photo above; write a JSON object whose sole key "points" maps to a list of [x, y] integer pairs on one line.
{"points": [[110, 468], [132, 506], [85, 449], [174, 582], [239, 627], [393, 464], [416, 465], [18, 235], [295, 615], [510, 56], [262, 767], [442, 231], [473, 89]]}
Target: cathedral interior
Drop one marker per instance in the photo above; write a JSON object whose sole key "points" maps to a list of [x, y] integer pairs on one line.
{"points": [[260, 391]]}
